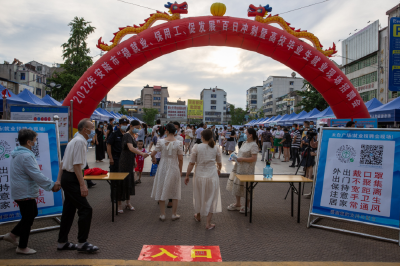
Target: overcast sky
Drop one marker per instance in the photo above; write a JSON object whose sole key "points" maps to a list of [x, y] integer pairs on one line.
{"points": [[35, 30]]}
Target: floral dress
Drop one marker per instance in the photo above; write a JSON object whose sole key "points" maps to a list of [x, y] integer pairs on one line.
{"points": [[167, 182], [234, 185]]}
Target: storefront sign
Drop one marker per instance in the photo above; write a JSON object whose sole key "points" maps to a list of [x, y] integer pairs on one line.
{"points": [[177, 111], [394, 54], [47, 156], [195, 109], [43, 113], [181, 253], [358, 176]]}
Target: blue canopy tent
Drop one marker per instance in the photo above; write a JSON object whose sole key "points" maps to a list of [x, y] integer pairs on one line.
{"points": [[279, 121], [268, 119], [299, 118], [291, 120], [282, 122], [389, 112], [31, 98], [14, 99], [261, 122], [373, 103], [327, 112], [51, 101], [255, 122], [62, 101], [313, 112], [274, 119], [104, 113]]}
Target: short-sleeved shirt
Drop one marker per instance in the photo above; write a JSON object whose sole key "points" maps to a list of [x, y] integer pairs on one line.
{"points": [[75, 153], [287, 138], [155, 128], [115, 140], [259, 133], [231, 135], [278, 134], [198, 132], [188, 133], [110, 128], [266, 136], [297, 141]]}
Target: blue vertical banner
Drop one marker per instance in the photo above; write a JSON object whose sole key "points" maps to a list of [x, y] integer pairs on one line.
{"points": [[394, 54], [358, 176], [47, 156]]}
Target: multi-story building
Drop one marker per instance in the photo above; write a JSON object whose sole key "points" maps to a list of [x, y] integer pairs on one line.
{"points": [[275, 87], [214, 105], [254, 99], [287, 103], [30, 75], [155, 97]]}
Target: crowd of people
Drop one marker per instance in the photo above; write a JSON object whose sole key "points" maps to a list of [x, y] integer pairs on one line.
{"points": [[128, 144]]}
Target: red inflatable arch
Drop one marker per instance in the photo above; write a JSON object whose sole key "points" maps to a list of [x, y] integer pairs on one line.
{"points": [[247, 34]]}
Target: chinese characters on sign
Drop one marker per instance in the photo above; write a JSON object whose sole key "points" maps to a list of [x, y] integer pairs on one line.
{"points": [[181, 253], [357, 179], [177, 111], [195, 109]]}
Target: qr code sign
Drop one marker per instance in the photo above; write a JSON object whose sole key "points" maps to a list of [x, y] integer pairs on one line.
{"points": [[34, 150], [371, 154]]}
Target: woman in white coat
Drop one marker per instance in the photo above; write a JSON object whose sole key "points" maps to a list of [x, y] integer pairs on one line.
{"points": [[206, 192]]}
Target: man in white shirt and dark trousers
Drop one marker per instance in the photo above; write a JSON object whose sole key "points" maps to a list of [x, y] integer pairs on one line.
{"points": [[198, 133], [75, 191]]}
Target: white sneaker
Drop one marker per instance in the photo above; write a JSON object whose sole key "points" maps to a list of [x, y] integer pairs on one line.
{"points": [[162, 218], [175, 217], [29, 252], [233, 207]]}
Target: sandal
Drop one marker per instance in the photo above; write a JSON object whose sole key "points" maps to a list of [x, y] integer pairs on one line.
{"points": [[195, 217], [120, 210], [211, 227], [129, 207], [88, 248], [162, 218], [233, 207], [68, 246]]}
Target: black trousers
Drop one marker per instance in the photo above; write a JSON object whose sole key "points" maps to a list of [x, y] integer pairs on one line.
{"points": [[198, 141], [296, 156], [74, 201], [29, 211]]}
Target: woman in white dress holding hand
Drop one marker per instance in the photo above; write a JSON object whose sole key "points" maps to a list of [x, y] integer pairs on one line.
{"points": [[167, 182], [206, 192]]}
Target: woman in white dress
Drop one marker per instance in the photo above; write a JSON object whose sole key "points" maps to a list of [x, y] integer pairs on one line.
{"points": [[246, 164], [206, 192], [167, 182]]}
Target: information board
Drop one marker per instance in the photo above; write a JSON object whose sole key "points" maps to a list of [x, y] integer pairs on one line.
{"points": [[43, 113], [47, 155], [358, 177], [177, 111], [195, 109], [394, 54]]}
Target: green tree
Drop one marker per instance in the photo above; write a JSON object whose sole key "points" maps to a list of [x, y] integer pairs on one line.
{"points": [[149, 115], [311, 98], [123, 111], [76, 57], [237, 115]]}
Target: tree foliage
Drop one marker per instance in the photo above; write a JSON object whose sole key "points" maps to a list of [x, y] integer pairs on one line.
{"points": [[76, 57], [311, 98], [149, 115], [123, 111], [237, 115]]}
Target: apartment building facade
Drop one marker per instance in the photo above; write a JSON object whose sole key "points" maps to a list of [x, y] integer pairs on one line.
{"points": [[214, 105]]}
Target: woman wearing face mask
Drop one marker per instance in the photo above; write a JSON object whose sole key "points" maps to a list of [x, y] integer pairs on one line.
{"points": [[126, 188], [98, 139], [242, 137], [142, 133]]}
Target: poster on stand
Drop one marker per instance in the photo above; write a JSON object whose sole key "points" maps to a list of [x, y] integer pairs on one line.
{"points": [[43, 113], [47, 155], [357, 176]]}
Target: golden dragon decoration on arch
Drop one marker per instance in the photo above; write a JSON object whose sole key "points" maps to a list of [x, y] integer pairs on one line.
{"points": [[176, 10], [260, 14]]}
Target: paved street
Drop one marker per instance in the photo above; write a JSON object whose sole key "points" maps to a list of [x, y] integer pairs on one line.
{"points": [[273, 236]]}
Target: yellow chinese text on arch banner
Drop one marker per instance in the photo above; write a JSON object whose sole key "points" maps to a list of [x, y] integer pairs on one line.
{"points": [[195, 109]]}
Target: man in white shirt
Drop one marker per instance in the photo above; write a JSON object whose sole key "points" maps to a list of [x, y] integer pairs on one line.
{"points": [[198, 133], [178, 131], [75, 191], [156, 127]]}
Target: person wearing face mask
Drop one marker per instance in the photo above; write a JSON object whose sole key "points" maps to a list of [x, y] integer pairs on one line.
{"points": [[126, 188], [312, 126], [26, 178], [98, 139], [141, 135], [296, 146], [305, 129], [114, 144], [75, 191], [242, 137], [230, 140]]}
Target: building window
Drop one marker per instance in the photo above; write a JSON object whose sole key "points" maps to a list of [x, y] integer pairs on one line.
{"points": [[39, 68], [291, 89], [22, 76], [140, 110], [224, 102], [159, 109], [254, 102], [213, 95], [291, 83], [38, 91], [213, 107], [224, 96], [213, 102], [156, 104], [157, 98], [224, 108]]}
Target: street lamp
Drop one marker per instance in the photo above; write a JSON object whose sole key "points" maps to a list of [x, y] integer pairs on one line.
{"points": [[51, 86], [288, 108]]}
